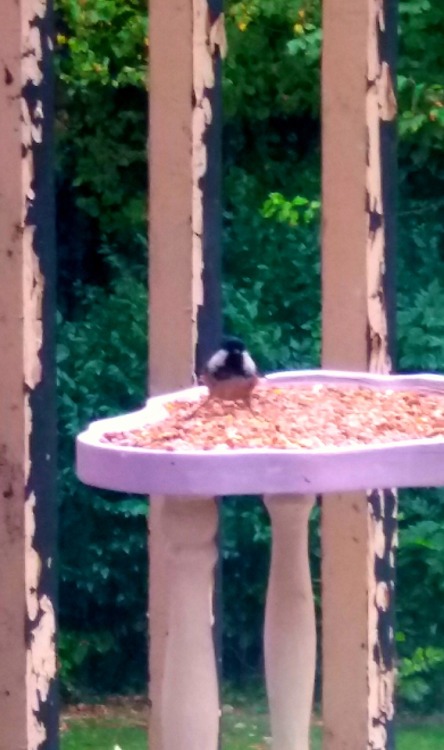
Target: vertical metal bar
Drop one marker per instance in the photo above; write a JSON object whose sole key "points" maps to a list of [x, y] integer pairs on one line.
{"points": [[186, 37], [358, 530], [28, 696]]}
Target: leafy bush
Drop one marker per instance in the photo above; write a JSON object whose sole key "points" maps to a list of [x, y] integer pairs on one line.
{"points": [[421, 96], [420, 559], [272, 44], [101, 66], [421, 677], [420, 585], [272, 272], [101, 372], [245, 556]]}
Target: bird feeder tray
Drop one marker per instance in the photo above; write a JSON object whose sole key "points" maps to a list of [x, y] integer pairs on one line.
{"points": [[310, 467]]}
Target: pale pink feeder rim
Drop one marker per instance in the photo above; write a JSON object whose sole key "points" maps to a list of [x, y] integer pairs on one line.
{"points": [[411, 463]]}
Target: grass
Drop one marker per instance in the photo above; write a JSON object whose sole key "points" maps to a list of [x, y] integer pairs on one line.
{"points": [[421, 738], [245, 726], [94, 734]]}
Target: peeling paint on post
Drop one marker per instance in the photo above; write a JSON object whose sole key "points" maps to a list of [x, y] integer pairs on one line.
{"points": [[381, 112], [382, 536], [28, 703], [381, 200], [210, 48], [186, 43], [358, 530]]}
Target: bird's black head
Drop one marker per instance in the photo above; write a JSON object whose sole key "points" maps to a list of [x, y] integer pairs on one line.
{"points": [[231, 360], [232, 345]]}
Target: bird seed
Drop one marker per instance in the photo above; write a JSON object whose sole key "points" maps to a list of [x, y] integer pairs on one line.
{"points": [[309, 417]]}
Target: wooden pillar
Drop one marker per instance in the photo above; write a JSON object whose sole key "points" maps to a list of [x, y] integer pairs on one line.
{"points": [[358, 530], [28, 705], [186, 44], [290, 627], [189, 700]]}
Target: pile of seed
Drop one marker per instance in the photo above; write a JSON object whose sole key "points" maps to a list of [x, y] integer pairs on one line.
{"points": [[307, 417]]}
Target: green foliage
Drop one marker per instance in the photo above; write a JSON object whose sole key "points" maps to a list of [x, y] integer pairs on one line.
{"points": [[75, 651], [291, 212], [419, 586], [272, 44], [421, 319], [106, 42], [421, 90], [420, 568], [246, 553], [420, 288], [272, 272], [271, 97], [101, 113], [102, 537], [421, 676]]}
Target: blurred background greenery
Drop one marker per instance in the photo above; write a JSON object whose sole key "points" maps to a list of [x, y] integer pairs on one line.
{"points": [[271, 184]]}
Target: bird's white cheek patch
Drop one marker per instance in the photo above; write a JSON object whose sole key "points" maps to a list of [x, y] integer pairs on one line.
{"points": [[217, 360], [248, 364]]}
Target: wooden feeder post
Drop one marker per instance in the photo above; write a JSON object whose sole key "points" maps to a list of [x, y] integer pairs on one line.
{"points": [[186, 44], [28, 705], [358, 529]]}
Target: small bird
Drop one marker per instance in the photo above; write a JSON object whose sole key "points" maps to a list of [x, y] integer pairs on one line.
{"points": [[231, 374]]}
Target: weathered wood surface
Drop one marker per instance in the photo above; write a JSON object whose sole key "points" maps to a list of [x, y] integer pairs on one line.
{"points": [[28, 705], [290, 627], [358, 530], [186, 43]]}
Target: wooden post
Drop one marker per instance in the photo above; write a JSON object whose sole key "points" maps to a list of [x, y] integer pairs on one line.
{"points": [[290, 627], [189, 705], [28, 705], [358, 530], [186, 43]]}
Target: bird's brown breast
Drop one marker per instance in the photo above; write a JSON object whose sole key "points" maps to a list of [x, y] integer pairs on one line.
{"points": [[231, 389]]}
